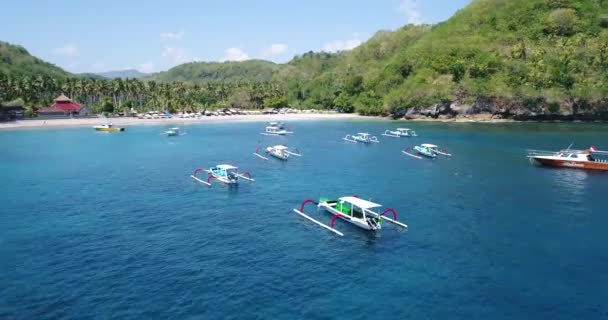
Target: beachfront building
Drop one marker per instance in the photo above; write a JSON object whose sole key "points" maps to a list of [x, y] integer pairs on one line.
{"points": [[11, 113], [64, 107]]}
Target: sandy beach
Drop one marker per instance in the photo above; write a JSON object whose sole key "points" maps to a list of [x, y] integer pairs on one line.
{"points": [[90, 122]]}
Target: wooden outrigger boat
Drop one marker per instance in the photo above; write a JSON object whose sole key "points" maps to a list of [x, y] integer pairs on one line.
{"points": [[108, 128], [173, 132], [224, 173], [279, 151], [590, 159], [400, 132], [351, 209], [276, 129], [361, 137], [425, 150]]}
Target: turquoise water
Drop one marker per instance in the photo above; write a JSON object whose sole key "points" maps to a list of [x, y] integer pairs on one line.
{"points": [[97, 225]]}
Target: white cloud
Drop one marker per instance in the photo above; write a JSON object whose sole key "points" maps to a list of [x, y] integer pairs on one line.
{"points": [[342, 45], [411, 11], [69, 50], [177, 55], [234, 54], [274, 50], [172, 35], [147, 67]]}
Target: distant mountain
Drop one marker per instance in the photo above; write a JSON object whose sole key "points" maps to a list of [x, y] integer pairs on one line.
{"points": [[128, 73], [17, 61], [250, 70]]}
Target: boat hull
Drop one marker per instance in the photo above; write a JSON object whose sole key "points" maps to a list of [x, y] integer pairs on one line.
{"points": [[110, 129], [357, 222], [558, 163]]}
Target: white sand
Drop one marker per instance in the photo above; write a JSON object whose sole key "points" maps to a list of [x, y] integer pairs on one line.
{"points": [[90, 122]]}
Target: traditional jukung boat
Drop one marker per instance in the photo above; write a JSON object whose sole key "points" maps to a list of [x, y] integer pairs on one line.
{"points": [[351, 209], [276, 129], [173, 132], [591, 159], [361, 137], [224, 173], [108, 128], [425, 150], [279, 151], [400, 132]]}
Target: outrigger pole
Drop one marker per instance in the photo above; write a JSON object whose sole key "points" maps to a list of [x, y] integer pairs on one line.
{"points": [[259, 155], [193, 176], [295, 154], [315, 221], [409, 154]]}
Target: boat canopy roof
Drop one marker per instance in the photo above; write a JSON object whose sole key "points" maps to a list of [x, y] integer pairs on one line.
{"points": [[225, 167], [363, 204], [403, 129], [363, 134], [428, 145], [280, 147], [174, 128]]}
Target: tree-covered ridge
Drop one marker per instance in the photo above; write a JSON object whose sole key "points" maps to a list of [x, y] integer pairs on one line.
{"points": [[200, 72], [17, 61], [537, 55]]}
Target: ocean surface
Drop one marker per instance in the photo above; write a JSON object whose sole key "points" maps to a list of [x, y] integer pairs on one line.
{"points": [[111, 226]]}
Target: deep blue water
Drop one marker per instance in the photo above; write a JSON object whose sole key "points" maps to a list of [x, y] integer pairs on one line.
{"points": [[96, 225]]}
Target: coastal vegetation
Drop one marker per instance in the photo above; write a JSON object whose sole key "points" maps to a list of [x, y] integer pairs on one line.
{"points": [[536, 56]]}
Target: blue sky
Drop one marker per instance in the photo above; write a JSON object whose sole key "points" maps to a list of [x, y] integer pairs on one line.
{"points": [[96, 36]]}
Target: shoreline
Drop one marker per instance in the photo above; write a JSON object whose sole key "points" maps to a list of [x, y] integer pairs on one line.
{"points": [[90, 122]]}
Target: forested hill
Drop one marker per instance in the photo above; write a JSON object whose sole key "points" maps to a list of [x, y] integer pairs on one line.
{"points": [[505, 57], [16, 61], [523, 59], [250, 70]]}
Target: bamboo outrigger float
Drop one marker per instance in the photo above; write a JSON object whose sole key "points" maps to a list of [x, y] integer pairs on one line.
{"points": [[279, 151], [351, 209], [224, 173], [590, 159]]}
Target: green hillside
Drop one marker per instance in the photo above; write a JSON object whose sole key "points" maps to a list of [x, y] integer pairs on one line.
{"points": [[537, 54], [250, 70], [17, 62]]}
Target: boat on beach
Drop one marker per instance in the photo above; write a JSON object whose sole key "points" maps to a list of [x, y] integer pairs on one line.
{"points": [[361, 137], [400, 132], [280, 152], [425, 150], [225, 173], [590, 159], [108, 128], [352, 209], [276, 129]]}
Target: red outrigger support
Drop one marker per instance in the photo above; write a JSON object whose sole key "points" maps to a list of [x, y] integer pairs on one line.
{"points": [[390, 210]]}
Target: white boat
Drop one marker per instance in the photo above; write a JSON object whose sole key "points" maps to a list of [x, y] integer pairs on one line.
{"points": [[276, 129], [400, 132], [108, 128], [173, 132], [425, 150], [224, 173], [279, 151], [353, 210], [361, 137]]}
